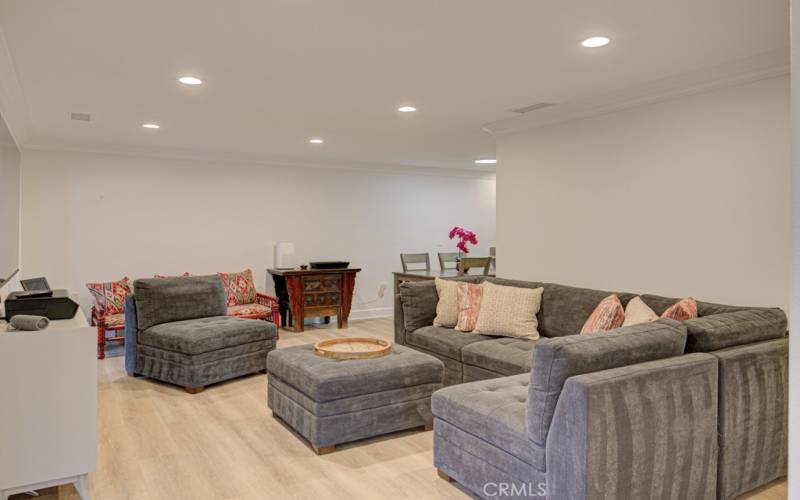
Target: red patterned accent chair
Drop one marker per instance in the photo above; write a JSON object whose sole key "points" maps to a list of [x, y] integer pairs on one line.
{"points": [[108, 312], [245, 302]]}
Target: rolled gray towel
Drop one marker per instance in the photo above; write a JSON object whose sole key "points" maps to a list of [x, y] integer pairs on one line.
{"points": [[26, 322]]}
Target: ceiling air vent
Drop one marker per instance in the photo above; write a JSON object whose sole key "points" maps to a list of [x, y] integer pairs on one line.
{"points": [[80, 117], [532, 107]]}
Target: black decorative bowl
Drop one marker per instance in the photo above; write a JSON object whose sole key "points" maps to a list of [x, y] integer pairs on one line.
{"points": [[332, 264]]}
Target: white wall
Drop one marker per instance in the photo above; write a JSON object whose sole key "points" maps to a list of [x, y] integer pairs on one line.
{"points": [[794, 315], [686, 197], [91, 217], [9, 204]]}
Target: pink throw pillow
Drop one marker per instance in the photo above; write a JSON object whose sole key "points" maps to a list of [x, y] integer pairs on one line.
{"points": [[608, 314], [682, 310], [469, 304]]}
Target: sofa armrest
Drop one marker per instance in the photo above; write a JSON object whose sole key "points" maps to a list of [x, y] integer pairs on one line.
{"points": [[718, 331], [753, 415], [98, 315], [399, 321], [641, 431], [417, 307], [271, 302], [131, 327]]}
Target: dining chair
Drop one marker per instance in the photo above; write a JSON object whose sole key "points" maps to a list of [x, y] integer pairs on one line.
{"points": [[467, 263], [415, 258], [448, 257]]}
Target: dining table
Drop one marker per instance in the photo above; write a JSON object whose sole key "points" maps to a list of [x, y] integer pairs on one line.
{"points": [[425, 275]]}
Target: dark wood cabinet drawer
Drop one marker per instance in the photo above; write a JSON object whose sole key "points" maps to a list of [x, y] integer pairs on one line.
{"points": [[312, 284], [321, 299], [332, 284]]}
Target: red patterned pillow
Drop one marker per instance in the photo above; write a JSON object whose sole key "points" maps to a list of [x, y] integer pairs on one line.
{"points": [[608, 314], [682, 310], [240, 287], [110, 297], [469, 304]]}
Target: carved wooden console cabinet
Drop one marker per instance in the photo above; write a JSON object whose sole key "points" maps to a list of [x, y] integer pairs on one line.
{"points": [[314, 293]]}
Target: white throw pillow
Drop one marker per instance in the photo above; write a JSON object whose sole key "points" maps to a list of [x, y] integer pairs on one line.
{"points": [[447, 308], [638, 312], [509, 311]]}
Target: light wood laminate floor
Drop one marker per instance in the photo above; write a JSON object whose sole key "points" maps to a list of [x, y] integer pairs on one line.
{"points": [[155, 441]]}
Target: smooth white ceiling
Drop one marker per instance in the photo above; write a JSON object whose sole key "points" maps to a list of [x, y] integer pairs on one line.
{"points": [[281, 71]]}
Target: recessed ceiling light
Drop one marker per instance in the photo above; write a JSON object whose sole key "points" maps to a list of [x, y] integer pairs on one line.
{"points": [[595, 41], [316, 140], [151, 125], [190, 80], [406, 109], [488, 160]]}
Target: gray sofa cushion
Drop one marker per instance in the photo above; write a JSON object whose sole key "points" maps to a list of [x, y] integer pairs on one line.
{"points": [[556, 360], [718, 331], [163, 300], [565, 308], [444, 341], [505, 355], [325, 379], [494, 411], [197, 336]]}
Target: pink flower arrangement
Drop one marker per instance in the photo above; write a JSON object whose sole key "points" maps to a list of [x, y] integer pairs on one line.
{"points": [[464, 237]]}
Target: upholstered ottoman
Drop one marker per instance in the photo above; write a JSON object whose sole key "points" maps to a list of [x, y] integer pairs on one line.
{"points": [[330, 402]]}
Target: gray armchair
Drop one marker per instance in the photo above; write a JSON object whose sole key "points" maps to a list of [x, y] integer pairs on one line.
{"points": [[177, 330]]}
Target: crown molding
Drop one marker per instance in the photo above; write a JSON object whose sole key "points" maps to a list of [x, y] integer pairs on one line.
{"points": [[770, 64], [13, 105], [231, 158]]}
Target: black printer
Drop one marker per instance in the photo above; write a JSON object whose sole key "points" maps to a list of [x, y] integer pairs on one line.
{"points": [[57, 305]]}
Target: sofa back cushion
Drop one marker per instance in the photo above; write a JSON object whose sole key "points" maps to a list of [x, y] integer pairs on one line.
{"points": [[163, 300], [557, 359], [660, 304], [718, 331], [516, 283], [418, 300], [565, 309], [719, 325]]}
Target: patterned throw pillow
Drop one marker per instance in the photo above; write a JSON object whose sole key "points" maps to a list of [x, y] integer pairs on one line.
{"points": [[110, 297], [447, 307], [240, 287], [608, 314], [469, 305], [637, 312], [682, 310], [509, 311]]}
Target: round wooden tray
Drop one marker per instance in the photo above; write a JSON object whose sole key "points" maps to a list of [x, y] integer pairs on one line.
{"points": [[352, 348]]}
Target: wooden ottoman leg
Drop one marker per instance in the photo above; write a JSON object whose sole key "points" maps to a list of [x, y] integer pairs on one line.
{"points": [[325, 449], [195, 390], [444, 476], [428, 427]]}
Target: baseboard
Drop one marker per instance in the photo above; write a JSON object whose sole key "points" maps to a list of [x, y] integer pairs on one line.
{"points": [[377, 312]]}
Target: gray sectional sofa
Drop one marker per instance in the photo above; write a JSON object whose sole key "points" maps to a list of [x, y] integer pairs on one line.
{"points": [[177, 330], [663, 410]]}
